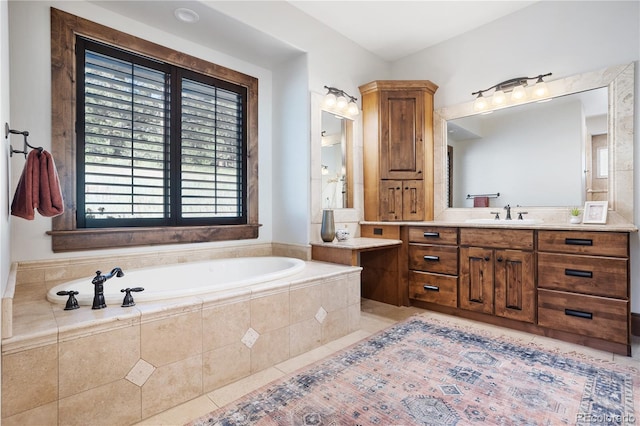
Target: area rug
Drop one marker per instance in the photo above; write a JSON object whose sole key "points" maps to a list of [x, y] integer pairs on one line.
{"points": [[425, 372]]}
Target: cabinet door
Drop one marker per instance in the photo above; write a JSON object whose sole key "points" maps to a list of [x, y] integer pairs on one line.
{"points": [[401, 138], [391, 200], [514, 285], [476, 279], [412, 200]]}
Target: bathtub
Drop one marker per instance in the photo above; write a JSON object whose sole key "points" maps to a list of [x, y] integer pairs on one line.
{"points": [[183, 279]]}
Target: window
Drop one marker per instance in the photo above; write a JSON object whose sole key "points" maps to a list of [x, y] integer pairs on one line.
{"points": [[157, 144], [152, 146]]}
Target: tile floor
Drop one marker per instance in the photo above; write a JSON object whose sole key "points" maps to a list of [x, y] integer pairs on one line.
{"points": [[375, 317]]}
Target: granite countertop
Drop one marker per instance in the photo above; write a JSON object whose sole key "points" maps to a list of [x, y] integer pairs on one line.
{"points": [[619, 227]]}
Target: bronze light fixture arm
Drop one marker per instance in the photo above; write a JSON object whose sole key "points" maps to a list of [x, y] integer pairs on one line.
{"points": [[508, 85]]}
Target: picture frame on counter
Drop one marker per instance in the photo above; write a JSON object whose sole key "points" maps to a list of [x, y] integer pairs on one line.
{"points": [[595, 212]]}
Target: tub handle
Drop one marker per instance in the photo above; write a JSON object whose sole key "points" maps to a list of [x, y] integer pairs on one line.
{"points": [[72, 302], [128, 298]]}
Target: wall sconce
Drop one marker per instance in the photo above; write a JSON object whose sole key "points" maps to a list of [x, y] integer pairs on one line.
{"points": [[517, 88], [340, 102]]}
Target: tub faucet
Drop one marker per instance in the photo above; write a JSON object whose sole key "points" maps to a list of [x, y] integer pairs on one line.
{"points": [[508, 209], [98, 287]]}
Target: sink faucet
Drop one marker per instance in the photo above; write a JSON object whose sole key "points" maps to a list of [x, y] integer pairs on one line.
{"points": [[98, 287], [508, 209]]}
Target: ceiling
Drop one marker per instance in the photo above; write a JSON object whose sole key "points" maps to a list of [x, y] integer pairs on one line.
{"points": [[394, 29], [389, 29]]}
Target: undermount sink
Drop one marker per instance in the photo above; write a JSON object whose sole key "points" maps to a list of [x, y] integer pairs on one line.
{"points": [[513, 222]]}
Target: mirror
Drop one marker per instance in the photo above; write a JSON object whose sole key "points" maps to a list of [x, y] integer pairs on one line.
{"points": [[335, 170], [333, 159], [587, 165], [502, 152]]}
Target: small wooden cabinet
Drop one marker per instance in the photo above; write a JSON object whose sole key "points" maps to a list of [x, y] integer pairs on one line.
{"points": [[433, 265], [398, 150], [497, 274], [583, 283], [401, 200]]}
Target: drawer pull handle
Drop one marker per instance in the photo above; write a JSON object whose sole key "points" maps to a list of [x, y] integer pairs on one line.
{"points": [[432, 287], [377, 231], [578, 273], [433, 258], [578, 242], [579, 314], [475, 300], [431, 234]]}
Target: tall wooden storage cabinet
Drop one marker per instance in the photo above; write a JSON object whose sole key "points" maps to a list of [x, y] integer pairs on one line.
{"points": [[398, 149]]}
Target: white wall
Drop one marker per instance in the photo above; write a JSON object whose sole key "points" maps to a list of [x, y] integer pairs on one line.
{"points": [[564, 38], [289, 199], [5, 231]]}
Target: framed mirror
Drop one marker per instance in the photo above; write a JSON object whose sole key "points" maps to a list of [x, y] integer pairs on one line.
{"points": [[336, 146], [575, 147], [350, 159]]}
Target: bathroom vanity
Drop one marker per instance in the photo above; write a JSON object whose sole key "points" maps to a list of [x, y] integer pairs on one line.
{"points": [[563, 281]]}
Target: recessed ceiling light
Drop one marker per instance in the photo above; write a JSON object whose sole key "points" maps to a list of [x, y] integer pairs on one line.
{"points": [[186, 15]]}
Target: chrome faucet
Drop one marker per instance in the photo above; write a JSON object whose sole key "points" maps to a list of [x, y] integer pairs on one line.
{"points": [[98, 287], [508, 209]]}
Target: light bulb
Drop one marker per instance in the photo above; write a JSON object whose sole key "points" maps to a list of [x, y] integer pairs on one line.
{"points": [[498, 98], [353, 109], [519, 93], [480, 103], [341, 102], [330, 99], [540, 89]]}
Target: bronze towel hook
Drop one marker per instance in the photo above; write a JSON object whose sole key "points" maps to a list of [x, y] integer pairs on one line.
{"points": [[25, 134]]}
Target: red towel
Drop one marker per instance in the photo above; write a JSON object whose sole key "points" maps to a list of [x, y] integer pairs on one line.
{"points": [[26, 196], [480, 201], [38, 187], [50, 196]]}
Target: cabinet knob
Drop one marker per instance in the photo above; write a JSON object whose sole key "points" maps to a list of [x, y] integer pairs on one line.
{"points": [[499, 259], [487, 258]]}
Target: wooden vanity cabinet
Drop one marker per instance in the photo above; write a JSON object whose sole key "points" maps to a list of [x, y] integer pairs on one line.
{"points": [[433, 265], [497, 273], [583, 283], [398, 149]]}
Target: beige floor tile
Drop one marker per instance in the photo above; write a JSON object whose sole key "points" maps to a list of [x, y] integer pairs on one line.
{"points": [[304, 359], [182, 413], [238, 389], [348, 340]]}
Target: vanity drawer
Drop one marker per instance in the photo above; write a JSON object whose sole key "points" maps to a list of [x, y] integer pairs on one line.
{"points": [[434, 288], [575, 242], [600, 276], [433, 235], [439, 259], [592, 316], [497, 238]]}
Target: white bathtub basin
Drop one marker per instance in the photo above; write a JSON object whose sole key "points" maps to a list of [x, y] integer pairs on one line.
{"points": [[513, 222]]}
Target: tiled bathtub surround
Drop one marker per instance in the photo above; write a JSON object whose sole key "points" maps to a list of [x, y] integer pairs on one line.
{"points": [[120, 365]]}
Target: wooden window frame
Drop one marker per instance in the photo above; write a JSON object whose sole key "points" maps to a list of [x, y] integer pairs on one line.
{"points": [[65, 235]]}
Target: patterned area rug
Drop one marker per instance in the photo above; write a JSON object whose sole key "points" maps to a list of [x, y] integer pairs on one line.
{"points": [[421, 372]]}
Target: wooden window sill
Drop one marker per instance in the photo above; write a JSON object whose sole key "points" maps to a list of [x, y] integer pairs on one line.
{"points": [[105, 238]]}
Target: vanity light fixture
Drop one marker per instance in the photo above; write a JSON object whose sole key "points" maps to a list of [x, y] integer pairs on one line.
{"points": [[517, 88], [339, 101]]}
